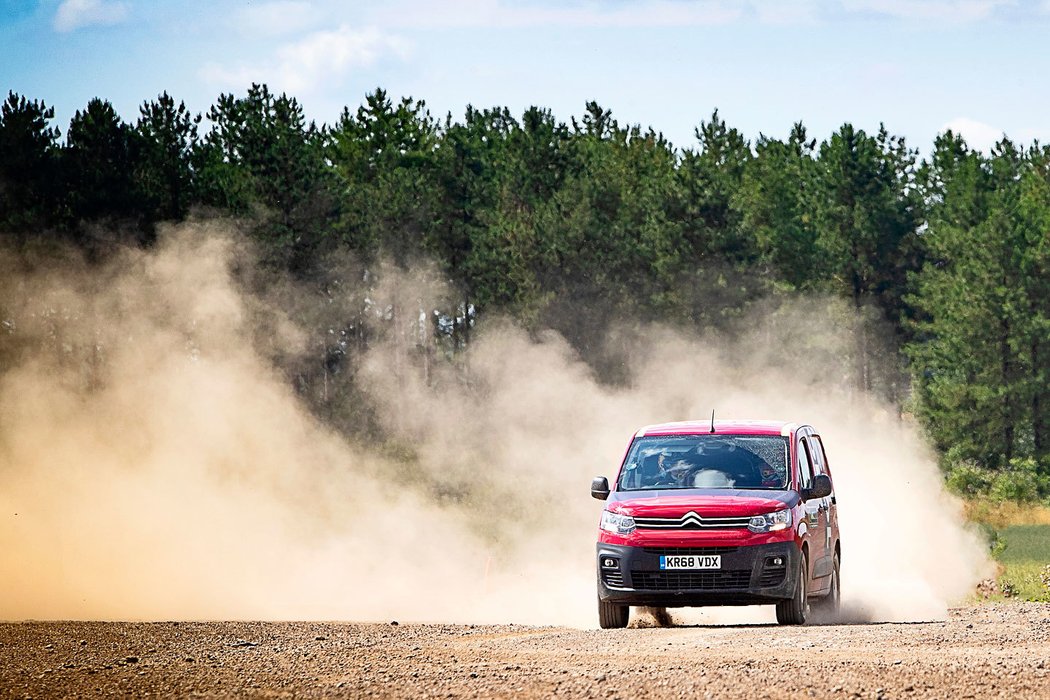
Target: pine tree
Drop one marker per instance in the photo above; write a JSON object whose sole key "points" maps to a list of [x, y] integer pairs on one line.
{"points": [[28, 166], [168, 136], [98, 164], [261, 156], [384, 155], [778, 199], [868, 218]]}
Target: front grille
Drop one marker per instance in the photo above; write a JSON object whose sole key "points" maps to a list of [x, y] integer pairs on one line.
{"points": [[772, 577], [684, 580], [692, 521], [687, 551], [612, 577]]}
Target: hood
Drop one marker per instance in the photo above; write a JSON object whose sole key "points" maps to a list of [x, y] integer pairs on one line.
{"points": [[674, 503]]}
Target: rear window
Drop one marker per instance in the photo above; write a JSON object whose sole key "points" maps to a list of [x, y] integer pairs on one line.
{"points": [[706, 462]]}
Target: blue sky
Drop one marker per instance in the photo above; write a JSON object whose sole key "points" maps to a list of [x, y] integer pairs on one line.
{"points": [[980, 66]]}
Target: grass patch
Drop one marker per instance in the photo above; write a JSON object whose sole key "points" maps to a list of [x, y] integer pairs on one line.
{"points": [[1025, 543], [1024, 553], [1003, 514], [1019, 538]]}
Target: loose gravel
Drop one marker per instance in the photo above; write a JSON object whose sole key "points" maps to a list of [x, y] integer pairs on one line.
{"points": [[979, 652]]}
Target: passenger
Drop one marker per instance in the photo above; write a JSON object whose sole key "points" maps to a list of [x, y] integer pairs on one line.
{"points": [[770, 477]]}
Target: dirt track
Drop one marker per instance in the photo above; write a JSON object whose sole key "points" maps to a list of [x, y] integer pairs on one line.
{"points": [[988, 651]]}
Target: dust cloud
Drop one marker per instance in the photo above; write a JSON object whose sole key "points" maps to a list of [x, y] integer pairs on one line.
{"points": [[157, 463]]}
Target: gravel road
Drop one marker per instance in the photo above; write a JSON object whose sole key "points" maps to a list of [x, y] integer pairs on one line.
{"points": [[983, 651]]}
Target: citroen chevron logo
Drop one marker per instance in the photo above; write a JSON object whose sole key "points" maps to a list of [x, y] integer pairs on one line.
{"points": [[692, 518]]}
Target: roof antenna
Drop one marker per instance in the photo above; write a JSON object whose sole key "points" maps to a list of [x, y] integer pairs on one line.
{"points": [[712, 420]]}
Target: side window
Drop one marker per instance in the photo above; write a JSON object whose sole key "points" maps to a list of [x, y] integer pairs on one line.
{"points": [[818, 445], [819, 463], [805, 467]]}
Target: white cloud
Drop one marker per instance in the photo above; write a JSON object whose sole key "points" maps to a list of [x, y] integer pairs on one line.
{"points": [[321, 58], [330, 54], [978, 135], [587, 13], [277, 18], [74, 14], [942, 10]]}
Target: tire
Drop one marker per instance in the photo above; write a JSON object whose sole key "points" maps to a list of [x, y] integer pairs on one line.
{"points": [[829, 605], [612, 616], [795, 610]]}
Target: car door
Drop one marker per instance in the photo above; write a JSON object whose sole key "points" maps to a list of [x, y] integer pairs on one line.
{"points": [[831, 506], [815, 512]]}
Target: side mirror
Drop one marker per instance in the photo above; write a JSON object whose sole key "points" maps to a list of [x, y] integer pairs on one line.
{"points": [[600, 488], [820, 489]]}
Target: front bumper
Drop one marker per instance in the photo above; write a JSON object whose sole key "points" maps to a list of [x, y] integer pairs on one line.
{"points": [[749, 575]]}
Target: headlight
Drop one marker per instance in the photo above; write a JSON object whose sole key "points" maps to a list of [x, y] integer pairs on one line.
{"points": [[770, 522], [616, 523]]}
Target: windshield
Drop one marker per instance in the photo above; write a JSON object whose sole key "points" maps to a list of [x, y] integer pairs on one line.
{"points": [[706, 462]]}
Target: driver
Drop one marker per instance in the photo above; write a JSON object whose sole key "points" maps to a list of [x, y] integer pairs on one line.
{"points": [[681, 472]]}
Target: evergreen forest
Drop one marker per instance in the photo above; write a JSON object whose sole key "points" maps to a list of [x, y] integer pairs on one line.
{"points": [[573, 226]]}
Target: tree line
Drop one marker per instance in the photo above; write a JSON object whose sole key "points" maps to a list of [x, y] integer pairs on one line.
{"points": [[574, 225]]}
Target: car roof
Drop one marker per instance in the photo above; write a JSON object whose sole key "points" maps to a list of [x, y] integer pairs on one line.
{"points": [[730, 427]]}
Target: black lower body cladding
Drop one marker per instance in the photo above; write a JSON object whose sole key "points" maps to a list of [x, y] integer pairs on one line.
{"points": [[750, 575]]}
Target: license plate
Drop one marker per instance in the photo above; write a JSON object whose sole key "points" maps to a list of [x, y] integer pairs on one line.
{"points": [[705, 561]]}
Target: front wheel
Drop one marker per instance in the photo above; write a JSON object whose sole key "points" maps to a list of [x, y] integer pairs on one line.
{"points": [[795, 610], [612, 616]]}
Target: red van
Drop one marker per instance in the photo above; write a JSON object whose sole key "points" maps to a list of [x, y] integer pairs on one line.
{"points": [[720, 513]]}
